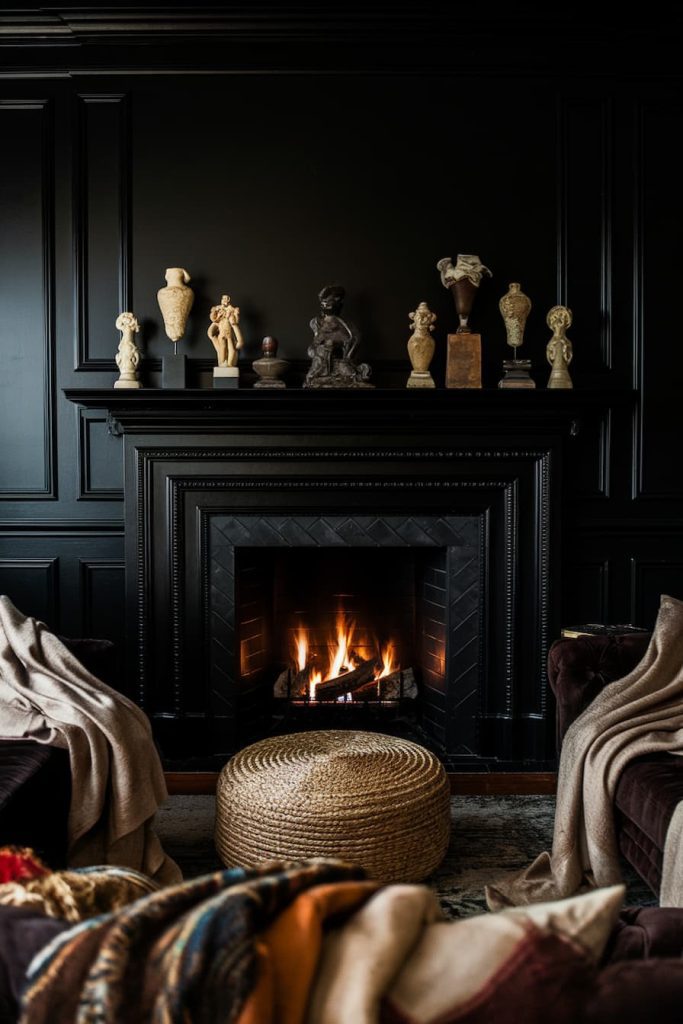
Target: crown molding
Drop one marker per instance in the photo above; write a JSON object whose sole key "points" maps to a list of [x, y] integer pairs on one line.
{"points": [[313, 38]]}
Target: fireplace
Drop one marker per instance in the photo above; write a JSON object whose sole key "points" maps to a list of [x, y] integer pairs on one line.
{"points": [[428, 522], [348, 621]]}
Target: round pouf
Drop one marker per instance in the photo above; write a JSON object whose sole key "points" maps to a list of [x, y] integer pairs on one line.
{"points": [[374, 800]]}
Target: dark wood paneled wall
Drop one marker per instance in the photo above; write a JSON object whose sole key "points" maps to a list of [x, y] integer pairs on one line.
{"points": [[314, 150]]}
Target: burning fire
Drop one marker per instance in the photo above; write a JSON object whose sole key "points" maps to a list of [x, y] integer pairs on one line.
{"points": [[389, 662], [341, 659]]}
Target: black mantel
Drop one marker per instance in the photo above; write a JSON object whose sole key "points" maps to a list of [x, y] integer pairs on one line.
{"points": [[197, 461], [490, 411]]}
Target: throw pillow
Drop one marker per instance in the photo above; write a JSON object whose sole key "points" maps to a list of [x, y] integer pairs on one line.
{"points": [[523, 963]]}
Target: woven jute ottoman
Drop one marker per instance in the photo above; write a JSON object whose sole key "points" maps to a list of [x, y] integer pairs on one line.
{"points": [[374, 800]]}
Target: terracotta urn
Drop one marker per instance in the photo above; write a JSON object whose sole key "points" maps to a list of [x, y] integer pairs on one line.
{"points": [[175, 302]]}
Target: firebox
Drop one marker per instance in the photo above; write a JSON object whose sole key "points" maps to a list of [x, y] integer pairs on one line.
{"points": [[355, 630], [350, 621]]}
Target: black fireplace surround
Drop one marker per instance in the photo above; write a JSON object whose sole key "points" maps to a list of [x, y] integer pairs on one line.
{"points": [[458, 492]]}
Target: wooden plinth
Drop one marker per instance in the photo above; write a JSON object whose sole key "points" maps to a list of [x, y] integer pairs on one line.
{"points": [[463, 362]]}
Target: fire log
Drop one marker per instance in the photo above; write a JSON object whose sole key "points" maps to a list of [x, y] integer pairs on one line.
{"points": [[350, 681], [400, 683], [292, 685]]}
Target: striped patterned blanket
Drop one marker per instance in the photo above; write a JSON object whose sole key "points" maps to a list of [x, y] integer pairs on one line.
{"points": [[190, 952]]}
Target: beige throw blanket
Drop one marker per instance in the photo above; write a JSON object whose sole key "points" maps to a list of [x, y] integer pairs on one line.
{"points": [[642, 713], [117, 780]]}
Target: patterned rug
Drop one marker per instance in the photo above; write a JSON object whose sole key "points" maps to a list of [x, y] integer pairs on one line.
{"points": [[491, 836]]}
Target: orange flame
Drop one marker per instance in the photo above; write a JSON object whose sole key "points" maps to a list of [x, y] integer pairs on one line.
{"points": [[301, 646], [341, 657], [389, 663], [315, 678]]}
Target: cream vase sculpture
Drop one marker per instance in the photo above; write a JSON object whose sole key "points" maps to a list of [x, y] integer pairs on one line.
{"points": [[175, 302], [128, 355], [421, 347]]}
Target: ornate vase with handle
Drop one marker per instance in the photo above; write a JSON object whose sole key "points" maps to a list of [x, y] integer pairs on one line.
{"points": [[421, 347]]}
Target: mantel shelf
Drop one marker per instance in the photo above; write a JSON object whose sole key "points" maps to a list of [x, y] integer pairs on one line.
{"points": [[486, 411]]}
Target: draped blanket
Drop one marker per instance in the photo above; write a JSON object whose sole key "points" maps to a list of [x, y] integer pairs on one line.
{"points": [[233, 946], [639, 714], [314, 943], [117, 781]]}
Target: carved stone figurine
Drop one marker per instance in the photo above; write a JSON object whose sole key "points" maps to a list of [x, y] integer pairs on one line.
{"points": [[175, 302], [224, 332], [335, 341], [421, 347], [559, 350], [463, 279], [514, 308], [128, 355]]}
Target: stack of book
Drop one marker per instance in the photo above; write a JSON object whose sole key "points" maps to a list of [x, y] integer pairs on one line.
{"points": [[599, 629]]}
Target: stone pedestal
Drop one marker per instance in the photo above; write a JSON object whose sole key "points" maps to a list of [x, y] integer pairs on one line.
{"points": [[174, 371], [226, 376], [516, 374], [463, 360], [121, 383], [420, 379]]}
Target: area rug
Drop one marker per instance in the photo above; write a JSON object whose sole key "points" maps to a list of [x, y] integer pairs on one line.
{"points": [[491, 835]]}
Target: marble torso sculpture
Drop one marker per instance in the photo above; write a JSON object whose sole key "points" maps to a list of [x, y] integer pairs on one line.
{"points": [[175, 302], [224, 332], [335, 341]]}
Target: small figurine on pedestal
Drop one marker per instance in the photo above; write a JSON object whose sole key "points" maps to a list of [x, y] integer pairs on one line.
{"points": [[269, 367], [463, 360], [334, 342], [128, 355], [226, 338], [514, 308], [559, 351], [175, 302], [421, 347]]}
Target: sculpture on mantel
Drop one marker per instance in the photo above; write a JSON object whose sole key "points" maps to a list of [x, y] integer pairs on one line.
{"points": [[128, 355], [463, 280], [421, 347], [463, 352], [175, 302], [224, 332], [559, 351], [514, 308], [269, 368], [335, 341], [226, 338]]}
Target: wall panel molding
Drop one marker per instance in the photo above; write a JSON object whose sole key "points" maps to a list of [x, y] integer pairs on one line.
{"points": [[32, 584], [656, 363], [90, 425], [102, 235], [101, 593], [43, 308], [649, 579], [584, 212]]}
